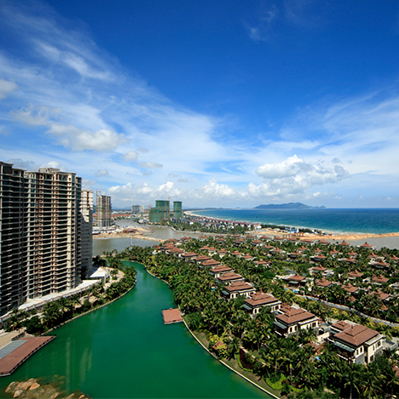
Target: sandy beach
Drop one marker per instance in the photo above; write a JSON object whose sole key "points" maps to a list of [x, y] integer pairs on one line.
{"points": [[314, 237]]}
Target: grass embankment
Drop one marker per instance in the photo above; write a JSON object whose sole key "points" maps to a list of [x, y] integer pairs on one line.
{"points": [[236, 366]]}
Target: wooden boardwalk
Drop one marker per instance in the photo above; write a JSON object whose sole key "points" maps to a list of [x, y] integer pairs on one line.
{"points": [[171, 316], [15, 353]]}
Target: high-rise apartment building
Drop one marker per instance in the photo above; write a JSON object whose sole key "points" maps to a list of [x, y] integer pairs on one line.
{"points": [[162, 213], [86, 209], [13, 238], [103, 210], [40, 233], [137, 209]]}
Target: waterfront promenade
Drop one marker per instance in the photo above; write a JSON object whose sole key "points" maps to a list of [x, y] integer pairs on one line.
{"points": [[17, 352]]}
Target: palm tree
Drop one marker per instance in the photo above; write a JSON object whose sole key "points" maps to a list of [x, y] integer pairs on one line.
{"points": [[351, 377], [233, 347]]}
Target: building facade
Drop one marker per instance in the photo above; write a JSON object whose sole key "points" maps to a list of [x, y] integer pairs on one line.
{"points": [[13, 248], [103, 210], [160, 213], [87, 229], [40, 233], [137, 209]]}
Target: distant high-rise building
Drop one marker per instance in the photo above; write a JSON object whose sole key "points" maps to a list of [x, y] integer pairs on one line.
{"points": [[137, 209], [177, 210], [40, 233], [87, 228], [103, 210], [162, 212]]}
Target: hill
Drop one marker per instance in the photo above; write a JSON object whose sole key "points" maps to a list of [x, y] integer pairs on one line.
{"points": [[290, 205]]}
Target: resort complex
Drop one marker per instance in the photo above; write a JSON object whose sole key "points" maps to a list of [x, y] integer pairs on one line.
{"points": [[324, 305]]}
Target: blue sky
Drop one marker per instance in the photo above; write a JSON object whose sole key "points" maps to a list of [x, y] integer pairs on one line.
{"points": [[214, 103]]}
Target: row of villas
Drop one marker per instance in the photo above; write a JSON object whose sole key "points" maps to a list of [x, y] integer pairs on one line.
{"points": [[353, 342], [222, 223]]}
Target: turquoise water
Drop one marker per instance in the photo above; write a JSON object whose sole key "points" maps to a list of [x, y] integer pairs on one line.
{"points": [[376, 221], [125, 351]]}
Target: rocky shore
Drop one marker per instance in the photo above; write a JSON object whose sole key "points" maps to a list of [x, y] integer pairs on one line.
{"points": [[34, 389]]}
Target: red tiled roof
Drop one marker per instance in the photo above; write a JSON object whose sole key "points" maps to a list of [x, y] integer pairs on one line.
{"points": [[238, 286], [356, 335], [210, 262], [366, 245], [230, 276], [323, 283], [350, 288], [261, 298], [293, 315], [380, 279], [221, 269], [297, 277], [355, 274]]}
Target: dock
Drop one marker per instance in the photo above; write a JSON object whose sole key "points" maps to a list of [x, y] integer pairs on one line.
{"points": [[17, 352], [171, 316]]}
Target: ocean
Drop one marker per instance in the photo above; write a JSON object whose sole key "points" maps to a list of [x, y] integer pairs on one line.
{"points": [[374, 221]]}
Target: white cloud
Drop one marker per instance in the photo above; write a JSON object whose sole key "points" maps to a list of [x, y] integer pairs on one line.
{"points": [[6, 88], [143, 192], [150, 165], [55, 165], [131, 156], [80, 140], [294, 176], [217, 191]]}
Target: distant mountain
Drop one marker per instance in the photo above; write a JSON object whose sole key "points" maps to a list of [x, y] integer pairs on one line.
{"points": [[291, 205]]}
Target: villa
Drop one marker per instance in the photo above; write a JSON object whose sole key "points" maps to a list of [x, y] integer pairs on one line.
{"points": [[258, 300], [290, 320], [356, 343], [229, 277], [237, 288], [219, 270]]}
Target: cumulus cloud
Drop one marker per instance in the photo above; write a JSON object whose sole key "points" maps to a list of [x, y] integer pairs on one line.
{"points": [[6, 88], [79, 139], [55, 165], [129, 192], [293, 176], [131, 156], [102, 172], [215, 190]]}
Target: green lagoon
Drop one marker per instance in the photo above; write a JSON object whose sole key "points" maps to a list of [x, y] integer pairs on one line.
{"points": [[125, 351]]}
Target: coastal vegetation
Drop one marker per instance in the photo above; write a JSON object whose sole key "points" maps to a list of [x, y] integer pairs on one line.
{"points": [[58, 312], [291, 366]]}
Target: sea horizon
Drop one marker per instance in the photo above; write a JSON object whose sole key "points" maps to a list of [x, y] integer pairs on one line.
{"points": [[329, 220]]}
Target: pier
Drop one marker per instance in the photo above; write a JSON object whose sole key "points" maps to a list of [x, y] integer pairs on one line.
{"points": [[171, 316], [17, 352]]}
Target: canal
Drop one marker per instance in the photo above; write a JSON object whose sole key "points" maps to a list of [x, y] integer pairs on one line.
{"points": [[125, 351]]}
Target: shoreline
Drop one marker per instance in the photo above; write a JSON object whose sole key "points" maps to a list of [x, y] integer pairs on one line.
{"points": [[329, 235]]}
